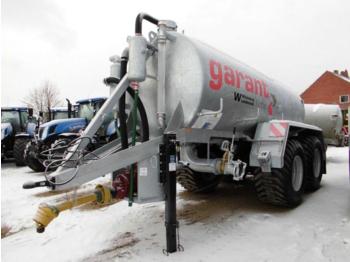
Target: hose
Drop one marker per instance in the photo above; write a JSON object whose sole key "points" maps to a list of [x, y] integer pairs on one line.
{"points": [[122, 115], [138, 23], [138, 106], [133, 142], [143, 115]]}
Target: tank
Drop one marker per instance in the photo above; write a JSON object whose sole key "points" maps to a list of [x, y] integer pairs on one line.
{"points": [[215, 90], [327, 117]]}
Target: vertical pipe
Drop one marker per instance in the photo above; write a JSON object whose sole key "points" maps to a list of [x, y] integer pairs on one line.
{"points": [[161, 77], [122, 115], [133, 142], [69, 108]]}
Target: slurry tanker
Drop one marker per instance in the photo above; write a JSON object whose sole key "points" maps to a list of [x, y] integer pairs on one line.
{"points": [[188, 113], [329, 118]]}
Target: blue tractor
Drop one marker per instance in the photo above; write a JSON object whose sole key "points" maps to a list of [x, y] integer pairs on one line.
{"points": [[18, 126], [59, 133]]}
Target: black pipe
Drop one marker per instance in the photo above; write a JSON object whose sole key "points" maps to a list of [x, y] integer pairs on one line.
{"points": [[143, 116], [140, 107], [69, 107], [122, 115], [143, 16], [50, 117]]}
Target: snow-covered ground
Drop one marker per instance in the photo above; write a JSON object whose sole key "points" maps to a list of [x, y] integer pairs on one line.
{"points": [[229, 225]]}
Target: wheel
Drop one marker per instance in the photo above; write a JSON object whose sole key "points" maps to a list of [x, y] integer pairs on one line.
{"points": [[284, 186], [31, 158], [18, 150], [197, 182], [313, 151]]}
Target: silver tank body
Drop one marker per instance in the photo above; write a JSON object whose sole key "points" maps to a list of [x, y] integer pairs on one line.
{"points": [[327, 117], [199, 76]]}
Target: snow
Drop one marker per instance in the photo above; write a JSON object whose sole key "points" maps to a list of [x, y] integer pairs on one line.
{"points": [[228, 225]]}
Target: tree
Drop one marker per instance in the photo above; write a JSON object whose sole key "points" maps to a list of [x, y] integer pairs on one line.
{"points": [[43, 97]]}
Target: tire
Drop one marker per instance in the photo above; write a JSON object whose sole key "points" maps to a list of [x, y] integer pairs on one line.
{"points": [[284, 186], [32, 160], [313, 151], [18, 150], [197, 182]]}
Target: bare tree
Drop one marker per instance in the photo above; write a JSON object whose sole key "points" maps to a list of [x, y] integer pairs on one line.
{"points": [[43, 97]]}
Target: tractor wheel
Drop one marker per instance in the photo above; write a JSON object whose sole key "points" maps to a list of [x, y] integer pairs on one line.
{"points": [[197, 182], [313, 162], [284, 186], [18, 150], [32, 160]]}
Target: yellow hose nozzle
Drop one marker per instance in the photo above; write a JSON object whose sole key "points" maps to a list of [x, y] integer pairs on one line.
{"points": [[46, 213]]}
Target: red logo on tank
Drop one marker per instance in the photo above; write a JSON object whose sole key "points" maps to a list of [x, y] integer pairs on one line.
{"points": [[223, 74]]}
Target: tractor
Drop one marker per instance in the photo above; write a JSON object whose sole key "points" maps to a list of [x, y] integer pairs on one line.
{"points": [[17, 128], [44, 147]]}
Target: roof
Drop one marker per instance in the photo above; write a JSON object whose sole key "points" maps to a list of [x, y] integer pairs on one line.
{"points": [[59, 109], [341, 77], [89, 100], [15, 108], [328, 89]]}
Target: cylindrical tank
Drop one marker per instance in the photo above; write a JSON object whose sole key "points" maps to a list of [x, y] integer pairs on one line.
{"points": [[200, 77], [115, 71], [327, 117]]}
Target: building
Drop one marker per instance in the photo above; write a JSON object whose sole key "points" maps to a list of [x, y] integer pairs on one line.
{"points": [[330, 88]]}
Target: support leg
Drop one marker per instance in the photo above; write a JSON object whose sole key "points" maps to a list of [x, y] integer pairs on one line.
{"points": [[169, 172]]}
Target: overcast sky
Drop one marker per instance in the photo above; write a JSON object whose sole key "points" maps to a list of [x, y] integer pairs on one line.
{"points": [[68, 42]]}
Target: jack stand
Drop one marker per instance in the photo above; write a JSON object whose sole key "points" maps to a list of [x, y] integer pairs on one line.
{"points": [[168, 175]]}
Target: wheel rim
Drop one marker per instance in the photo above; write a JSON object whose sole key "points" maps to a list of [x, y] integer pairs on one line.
{"points": [[297, 173], [317, 162]]}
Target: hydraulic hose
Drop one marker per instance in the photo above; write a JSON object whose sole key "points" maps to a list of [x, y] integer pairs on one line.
{"points": [[133, 142], [138, 23], [140, 107], [143, 115], [122, 115]]}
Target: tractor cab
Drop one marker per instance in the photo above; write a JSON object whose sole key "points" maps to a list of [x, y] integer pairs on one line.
{"points": [[17, 117], [16, 122], [59, 113], [87, 108]]}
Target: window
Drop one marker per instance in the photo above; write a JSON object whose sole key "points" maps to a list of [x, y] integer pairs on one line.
{"points": [[344, 99]]}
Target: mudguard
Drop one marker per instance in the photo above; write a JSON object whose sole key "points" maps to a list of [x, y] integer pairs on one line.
{"points": [[270, 141], [69, 135], [24, 135]]}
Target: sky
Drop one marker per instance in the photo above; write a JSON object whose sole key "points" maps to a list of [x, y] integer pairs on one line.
{"points": [[69, 42]]}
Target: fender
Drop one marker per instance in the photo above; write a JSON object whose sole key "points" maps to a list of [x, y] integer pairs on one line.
{"points": [[69, 135], [24, 135], [270, 141]]}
